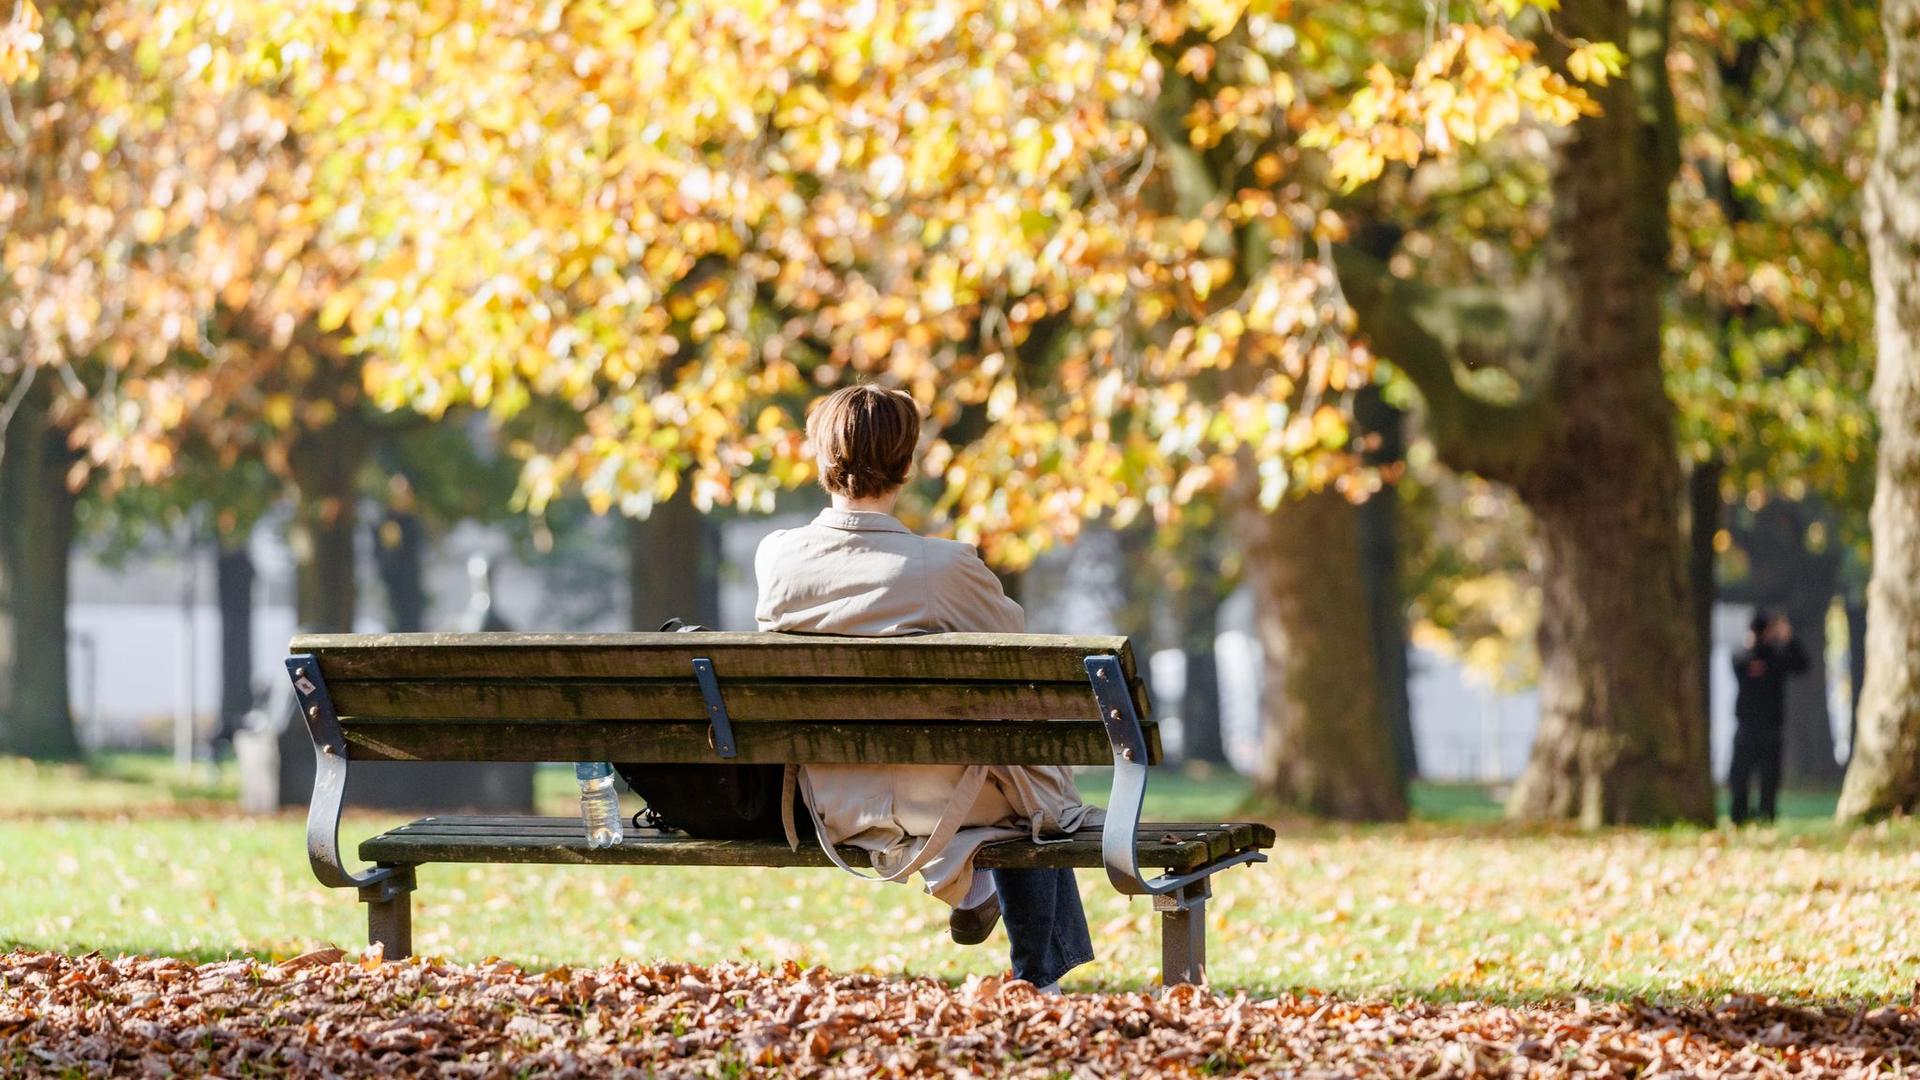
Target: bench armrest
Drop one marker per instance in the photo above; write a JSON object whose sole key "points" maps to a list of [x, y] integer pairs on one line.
{"points": [[329, 778], [1119, 842]]}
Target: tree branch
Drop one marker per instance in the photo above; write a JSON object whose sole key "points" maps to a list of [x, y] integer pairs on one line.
{"points": [[1419, 329]]}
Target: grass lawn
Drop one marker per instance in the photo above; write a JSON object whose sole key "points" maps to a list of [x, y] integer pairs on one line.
{"points": [[122, 858]]}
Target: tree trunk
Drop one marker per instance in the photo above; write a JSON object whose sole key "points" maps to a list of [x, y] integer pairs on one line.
{"points": [[1201, 738], [1590, 450], [1379, 528], [400, 555], [1327, 748], [1622, 735], [1856, 666], [234, 578], [674, 562], [36, 539], [1704, 512], [326, 464], [1143, 614], [1885, 775]]}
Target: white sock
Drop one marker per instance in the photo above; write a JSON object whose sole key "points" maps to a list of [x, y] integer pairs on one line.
{"points": [[1050, 988], [979, 891]]}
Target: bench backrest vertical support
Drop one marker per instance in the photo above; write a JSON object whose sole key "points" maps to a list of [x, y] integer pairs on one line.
{"points": [[1118, 841], [719, 727], [329, 778]]}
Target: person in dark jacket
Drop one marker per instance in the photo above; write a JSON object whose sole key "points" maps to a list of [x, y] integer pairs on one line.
{"points": [[1761, 669]]}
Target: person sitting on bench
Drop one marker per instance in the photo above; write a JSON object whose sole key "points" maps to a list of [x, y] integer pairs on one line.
{"points": [[857, 570]]}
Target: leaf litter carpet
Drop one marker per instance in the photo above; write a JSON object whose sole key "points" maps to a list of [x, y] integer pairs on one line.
{"points": [[328, 1014]]}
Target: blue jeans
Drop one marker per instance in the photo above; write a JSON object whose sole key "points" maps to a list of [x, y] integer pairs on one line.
{"points": [[1045, 923]]}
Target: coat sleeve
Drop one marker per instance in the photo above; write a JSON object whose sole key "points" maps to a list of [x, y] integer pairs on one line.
{"points": [[969, 598], [765, 568]]}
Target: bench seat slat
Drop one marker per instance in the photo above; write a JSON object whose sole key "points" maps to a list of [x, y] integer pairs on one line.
{"points": [[1046, 658], [943, 743], [1174, 846]]}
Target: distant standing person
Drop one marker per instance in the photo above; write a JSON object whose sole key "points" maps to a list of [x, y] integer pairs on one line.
{"points": [[1760, 709]]}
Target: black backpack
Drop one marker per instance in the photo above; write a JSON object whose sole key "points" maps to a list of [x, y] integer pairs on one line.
{"points": [[711, 802]]}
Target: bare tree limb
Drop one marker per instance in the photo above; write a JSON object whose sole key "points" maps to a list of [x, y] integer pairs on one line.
{"points": [[1419, 329]]}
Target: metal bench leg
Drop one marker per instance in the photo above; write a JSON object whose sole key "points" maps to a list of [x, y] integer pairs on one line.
{"points": [[390, 913], [1183, 933]]}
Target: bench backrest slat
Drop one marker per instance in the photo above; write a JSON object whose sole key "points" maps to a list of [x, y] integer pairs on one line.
{"points": [[932, 699], [748, 700], [1069, 743], [1043, 657]]}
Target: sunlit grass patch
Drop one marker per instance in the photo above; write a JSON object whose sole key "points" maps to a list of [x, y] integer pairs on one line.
{"points": [[1433, 909]]}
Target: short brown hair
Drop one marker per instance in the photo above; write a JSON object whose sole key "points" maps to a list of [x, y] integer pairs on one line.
{"points": [[865, 437]]}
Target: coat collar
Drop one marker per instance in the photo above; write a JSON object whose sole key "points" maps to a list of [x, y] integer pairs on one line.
{"points": [[859, 521]]}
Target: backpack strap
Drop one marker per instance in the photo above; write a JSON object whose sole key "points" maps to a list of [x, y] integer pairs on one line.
{"points": [[789, 782], [966, 796]]}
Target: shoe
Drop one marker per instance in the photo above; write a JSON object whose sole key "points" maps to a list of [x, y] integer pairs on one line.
{"points": [[971, 926]]}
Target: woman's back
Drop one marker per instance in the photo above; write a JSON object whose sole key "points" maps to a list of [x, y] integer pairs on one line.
{"points": [[857, 570], [862, 572]]}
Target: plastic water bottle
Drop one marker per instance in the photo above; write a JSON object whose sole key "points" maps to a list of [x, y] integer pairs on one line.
{"points": [[599, 803]]}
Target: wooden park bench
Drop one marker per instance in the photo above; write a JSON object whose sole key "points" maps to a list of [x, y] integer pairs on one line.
{"points": [[986, 699]]}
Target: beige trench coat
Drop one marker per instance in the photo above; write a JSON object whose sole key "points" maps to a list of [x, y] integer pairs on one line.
{"points": [[864, 573]]}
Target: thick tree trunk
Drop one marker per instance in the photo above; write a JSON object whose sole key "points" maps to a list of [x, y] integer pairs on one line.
{"points": [[1327, 746], [234, 578], [326, 464], [673, 557], [1885, 775], [1622, 735], [1590, 451], [36, 539]]}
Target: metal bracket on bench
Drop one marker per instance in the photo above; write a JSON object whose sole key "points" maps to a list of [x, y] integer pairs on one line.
{"points": [[329, 779], [1118, 843], [719, 729]]}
